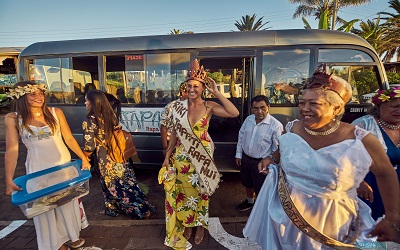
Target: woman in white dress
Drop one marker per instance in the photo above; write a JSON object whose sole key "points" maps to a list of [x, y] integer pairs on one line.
{"points": [[323, 161], [43, 130]]}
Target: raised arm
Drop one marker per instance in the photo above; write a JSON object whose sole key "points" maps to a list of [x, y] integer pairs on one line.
{"points": [[388, 185], [70, 140], [11, 154], [227, 109]]}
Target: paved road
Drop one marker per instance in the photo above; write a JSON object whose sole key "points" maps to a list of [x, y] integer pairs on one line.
{"points": [[105, 232], [120, 232]]}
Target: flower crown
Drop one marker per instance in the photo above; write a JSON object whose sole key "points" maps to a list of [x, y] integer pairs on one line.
{"points": [[386, 95], [196, 72], [320, 79], [16, 93]]}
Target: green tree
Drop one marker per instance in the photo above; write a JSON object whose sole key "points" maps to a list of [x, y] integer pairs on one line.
{"points": [[249, 23], [391, 39], [324, 9], [374, 33], [323, 23], [393, 77]]}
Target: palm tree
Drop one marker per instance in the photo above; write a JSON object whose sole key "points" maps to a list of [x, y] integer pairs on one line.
{"points": [[373, 32], [324, 8], [395, 5], [323, 23], [178, 32], [247, 23], [392, 36]]}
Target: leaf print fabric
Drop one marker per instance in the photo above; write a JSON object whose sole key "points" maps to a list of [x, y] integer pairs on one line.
{"points": [[185, 206]]}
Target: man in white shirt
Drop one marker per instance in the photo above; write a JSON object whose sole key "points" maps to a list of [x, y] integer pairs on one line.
{"points": [[258, 138]]}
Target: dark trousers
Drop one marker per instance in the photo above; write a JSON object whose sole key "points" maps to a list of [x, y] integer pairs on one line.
{"points": [[250, 176]]}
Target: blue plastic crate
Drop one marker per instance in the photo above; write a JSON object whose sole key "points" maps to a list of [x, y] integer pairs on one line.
{"points": [[49, 188]]}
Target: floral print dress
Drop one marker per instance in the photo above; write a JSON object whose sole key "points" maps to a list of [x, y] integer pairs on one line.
{"points": [[185, 206], [120, 187]]}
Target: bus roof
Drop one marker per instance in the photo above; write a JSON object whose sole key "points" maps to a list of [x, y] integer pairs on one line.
{"points": [[193, 41], [10, 51]]}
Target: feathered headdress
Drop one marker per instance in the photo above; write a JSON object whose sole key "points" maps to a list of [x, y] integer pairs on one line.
{"points": [[321, 79], [196, 72]]}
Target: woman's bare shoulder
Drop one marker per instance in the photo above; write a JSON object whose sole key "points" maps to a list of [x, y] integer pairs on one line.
{"points": [[348, 130], [11, 115]]}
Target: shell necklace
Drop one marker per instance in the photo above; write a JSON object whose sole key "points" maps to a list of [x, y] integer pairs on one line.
{"points": [[383, 124], [387, 125], [323, 133]]}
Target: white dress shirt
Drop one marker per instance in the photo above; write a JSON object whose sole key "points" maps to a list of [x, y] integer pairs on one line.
{"points": [[258, 140]]}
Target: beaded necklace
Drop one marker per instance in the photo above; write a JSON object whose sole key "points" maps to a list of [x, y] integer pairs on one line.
{"points": [[383, 124], [323, 133]]}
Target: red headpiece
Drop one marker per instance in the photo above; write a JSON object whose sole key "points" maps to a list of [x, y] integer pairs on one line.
{"points": [[320, 79]]}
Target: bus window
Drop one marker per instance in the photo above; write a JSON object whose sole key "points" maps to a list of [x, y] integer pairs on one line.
{"points": [[146, 78], [64, 83], [362, 78], [343, 55], [283, 75]]}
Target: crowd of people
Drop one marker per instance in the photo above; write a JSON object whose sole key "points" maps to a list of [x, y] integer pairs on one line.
{"points": [[315, 183]]}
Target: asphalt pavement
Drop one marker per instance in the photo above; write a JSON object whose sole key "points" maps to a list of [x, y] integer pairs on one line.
{"points": [[121, 232]]}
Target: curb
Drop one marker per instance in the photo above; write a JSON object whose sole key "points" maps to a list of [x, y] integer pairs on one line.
{"points": [[125, 223]]}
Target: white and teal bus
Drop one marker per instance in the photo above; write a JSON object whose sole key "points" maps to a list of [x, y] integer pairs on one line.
{"points": [[144, 73]]}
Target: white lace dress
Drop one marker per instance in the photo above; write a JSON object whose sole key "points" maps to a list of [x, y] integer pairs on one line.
{"points": [[57, 226], [322, 184]]}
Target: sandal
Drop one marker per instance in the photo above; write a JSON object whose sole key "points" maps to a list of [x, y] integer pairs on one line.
{"points": [[187, 233], [198, 238], [76, 244]]}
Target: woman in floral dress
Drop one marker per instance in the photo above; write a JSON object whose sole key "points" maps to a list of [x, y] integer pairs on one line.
{"points": [[185, 205], [120, 187]]}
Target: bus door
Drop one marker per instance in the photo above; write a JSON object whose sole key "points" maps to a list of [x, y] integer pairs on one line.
{"points": [[233, 75]]}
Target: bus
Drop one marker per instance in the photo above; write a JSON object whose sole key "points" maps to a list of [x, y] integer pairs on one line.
{"points": [[8, 72], [145, 72]]}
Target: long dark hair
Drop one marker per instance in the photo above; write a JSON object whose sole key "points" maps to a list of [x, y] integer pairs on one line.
{"points": [[103, 113], [21, 107]]}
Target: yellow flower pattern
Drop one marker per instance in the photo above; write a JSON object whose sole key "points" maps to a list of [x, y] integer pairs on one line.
{"points": [[185, 206]]}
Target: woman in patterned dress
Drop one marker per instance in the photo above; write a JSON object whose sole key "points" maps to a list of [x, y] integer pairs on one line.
{"points": [[185, 206], [120, 187]]}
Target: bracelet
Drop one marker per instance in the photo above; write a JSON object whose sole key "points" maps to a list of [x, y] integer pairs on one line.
{"points": [[394, 226], [273, 159]]}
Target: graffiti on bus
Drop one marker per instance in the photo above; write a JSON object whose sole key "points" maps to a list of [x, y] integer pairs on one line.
{"points": [[142, 119]]}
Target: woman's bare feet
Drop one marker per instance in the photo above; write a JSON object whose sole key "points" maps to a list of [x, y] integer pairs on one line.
{"points": [[187, 233], [198, 238]]}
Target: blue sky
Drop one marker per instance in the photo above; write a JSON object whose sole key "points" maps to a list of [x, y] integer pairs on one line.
{"points": [[24, 22]]}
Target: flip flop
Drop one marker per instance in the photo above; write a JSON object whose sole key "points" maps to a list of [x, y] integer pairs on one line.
{"points": [[75, 244]]}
